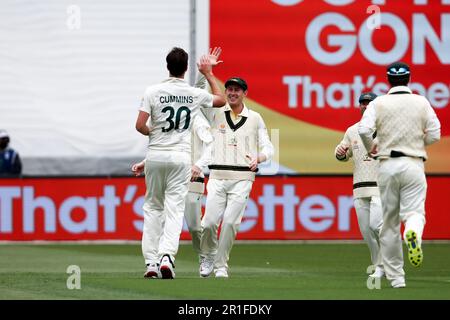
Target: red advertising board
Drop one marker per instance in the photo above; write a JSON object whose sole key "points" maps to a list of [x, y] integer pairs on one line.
{"points": [[311, 207], [306, 63]]}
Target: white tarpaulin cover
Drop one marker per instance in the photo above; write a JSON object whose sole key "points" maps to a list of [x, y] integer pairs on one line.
{"points": [[72, 74]]}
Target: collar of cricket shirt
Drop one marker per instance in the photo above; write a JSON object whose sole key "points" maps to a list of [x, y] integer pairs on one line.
{"points": [[399, 90], [244, 112], [175, 79], [244, 115]]}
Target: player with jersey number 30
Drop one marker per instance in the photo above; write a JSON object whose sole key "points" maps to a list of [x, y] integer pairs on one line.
{"points": [[170, 106]]}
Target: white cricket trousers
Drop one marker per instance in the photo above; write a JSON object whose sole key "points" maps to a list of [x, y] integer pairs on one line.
{"points": [[167, 175], [193, 216], [226, 201], [403, 189], [370, 220]]}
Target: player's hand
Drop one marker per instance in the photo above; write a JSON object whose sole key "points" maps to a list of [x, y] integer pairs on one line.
{"points": [[204, 65], [195, 172], [214, 55], [138, 168], [374, 150], [253, 165], [341, 151]]}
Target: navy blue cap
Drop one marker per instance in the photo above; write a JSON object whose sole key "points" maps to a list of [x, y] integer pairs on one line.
{"points": [[367, 96], [398, 69], [238, 81]]}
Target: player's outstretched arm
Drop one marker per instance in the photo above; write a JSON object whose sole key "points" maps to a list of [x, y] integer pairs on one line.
{"points": [[214, 55], [205, 68]]}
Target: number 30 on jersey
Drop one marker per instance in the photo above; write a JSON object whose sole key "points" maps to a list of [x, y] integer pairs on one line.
{"points": [[178, 114]]}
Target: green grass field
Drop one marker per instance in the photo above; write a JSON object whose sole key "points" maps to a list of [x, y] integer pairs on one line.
{"points": [[257, 271]]}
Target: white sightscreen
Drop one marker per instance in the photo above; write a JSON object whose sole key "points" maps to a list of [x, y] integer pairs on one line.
{"points": [[72, 74]]}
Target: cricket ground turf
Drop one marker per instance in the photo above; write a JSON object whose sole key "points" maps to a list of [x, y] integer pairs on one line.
{"points": [[266, 271]]}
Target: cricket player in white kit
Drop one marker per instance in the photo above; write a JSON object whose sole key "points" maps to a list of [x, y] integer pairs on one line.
{"points": [[366, 196], [240, 143], [170, 106], [405, 123], [201, 141], [201, 150]]}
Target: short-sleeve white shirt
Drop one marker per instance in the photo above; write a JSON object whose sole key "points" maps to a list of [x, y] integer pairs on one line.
{"points": [[172, 106]]}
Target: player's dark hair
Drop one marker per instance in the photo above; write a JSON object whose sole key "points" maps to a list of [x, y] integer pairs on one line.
{"points": [[398, 74], [177, 61], [398, 81]]}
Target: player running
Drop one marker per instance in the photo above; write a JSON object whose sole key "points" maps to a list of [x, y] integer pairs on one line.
{"points": [[405, 123], [366, 195]]}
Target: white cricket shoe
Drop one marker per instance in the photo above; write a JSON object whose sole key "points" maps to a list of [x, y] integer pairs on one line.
{"points": [[398, 283], [152, 271], [378, 273], [221, 273], [206, 267], [167, 267]]}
